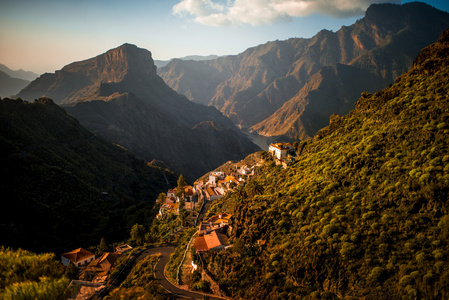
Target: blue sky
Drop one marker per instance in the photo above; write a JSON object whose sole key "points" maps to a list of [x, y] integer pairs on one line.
{"points": [[43, 36]]}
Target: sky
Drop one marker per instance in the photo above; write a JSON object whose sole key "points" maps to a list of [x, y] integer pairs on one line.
{"points": [[45, 35]]}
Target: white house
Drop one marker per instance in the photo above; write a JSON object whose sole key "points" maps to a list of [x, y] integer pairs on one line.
{"points": [[245, 170], [171, 194], [215, 176], [280, 150], [79, 257]]}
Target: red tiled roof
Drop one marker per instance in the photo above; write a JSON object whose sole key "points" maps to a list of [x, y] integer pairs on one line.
{"points": [[77, 255], [210, 241], [200, 244], [215, 239], [210, 191]]}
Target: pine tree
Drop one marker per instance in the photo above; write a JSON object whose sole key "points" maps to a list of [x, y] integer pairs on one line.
{"points": [[103, 246], [180, 187]]}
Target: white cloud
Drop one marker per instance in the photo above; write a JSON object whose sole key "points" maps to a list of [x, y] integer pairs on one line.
{"points": [[257, 12]]}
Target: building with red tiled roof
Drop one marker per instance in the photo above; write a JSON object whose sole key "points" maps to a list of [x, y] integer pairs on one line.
{"points": [[213, 193], [211, 241], [78, 257], [279, 150]]}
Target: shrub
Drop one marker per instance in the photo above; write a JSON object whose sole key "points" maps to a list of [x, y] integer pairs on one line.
{"points": [[421, 257], [428, 278], [406, 280], [377, 274]]}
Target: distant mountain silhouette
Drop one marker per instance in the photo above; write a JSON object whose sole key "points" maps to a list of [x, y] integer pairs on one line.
{"points": [[292, 87], [20, 74], [119, 96], [163, 63], [10, 86]]}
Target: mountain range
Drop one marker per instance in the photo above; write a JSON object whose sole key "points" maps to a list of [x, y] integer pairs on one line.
{"points": [[119, 96], [10, 86], [163, 63], [20, 74], [290, 88]]}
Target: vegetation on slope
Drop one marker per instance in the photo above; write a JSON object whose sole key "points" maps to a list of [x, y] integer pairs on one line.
{"points": [[65, 187], [25, 275], [363, 212], [141, 283]]}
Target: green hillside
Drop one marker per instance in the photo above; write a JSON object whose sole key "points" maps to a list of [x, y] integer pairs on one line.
{"points": [[363, 212], [64, 187], [26, 275]]}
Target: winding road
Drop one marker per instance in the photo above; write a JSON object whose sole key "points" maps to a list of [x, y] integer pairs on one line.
{"points": [[165, 252], [159, 268], [159, 274]]}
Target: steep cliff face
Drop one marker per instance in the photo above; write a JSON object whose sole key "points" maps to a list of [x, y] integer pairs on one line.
{"points": [[259, 81], [125, 67], [119, 96]]}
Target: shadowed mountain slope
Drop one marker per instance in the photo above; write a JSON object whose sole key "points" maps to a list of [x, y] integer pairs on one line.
{"points": [[119, 96], [65, 187]]}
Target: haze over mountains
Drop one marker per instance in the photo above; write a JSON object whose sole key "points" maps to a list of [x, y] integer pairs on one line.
{"points": [[20, 74], [163, 63], [12, 81], [10, 86], [292, 87], [119, 96]]}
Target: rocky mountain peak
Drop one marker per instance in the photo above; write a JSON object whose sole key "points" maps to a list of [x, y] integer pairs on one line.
{"points": [[115, 64], [126, 68]]}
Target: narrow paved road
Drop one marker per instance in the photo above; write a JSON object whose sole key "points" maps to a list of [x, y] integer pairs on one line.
{"points": [[159, 274], [165, 252]]}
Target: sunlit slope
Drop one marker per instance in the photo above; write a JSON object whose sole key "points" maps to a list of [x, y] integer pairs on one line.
{"points": [[364, 210]]}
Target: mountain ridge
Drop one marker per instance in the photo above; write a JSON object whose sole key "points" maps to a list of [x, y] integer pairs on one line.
{"points": [[9, 85], [260, 80], [20, 74]]}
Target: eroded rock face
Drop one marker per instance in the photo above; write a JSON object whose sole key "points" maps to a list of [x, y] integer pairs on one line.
{"points": [[76, 82], [260, 86]]}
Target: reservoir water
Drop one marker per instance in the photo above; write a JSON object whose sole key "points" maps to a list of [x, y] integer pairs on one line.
{"points": [[259, 140]]}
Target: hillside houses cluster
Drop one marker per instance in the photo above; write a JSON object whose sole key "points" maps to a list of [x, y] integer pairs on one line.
{"points": [[216, 186], [213, 234], [171, 204], [93, 271]]}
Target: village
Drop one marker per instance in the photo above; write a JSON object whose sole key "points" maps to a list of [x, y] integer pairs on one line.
{"points": [[187, 200]]}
